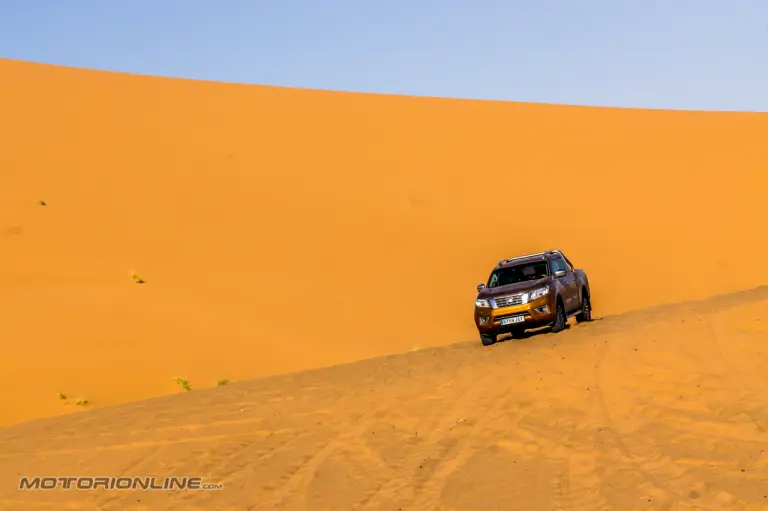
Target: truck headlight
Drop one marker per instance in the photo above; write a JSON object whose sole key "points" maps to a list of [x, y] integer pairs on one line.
{"points": [[538, 293], [483, 304]]}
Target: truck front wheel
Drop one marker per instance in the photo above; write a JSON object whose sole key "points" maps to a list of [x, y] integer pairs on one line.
{"points": [[560, 318], [488, 339]]}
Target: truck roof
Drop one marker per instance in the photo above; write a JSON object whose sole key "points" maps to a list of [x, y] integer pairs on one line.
{"points": [[539, 256]]}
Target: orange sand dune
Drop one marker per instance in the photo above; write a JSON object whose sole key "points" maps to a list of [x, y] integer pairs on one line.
{"points": [[656, 410], [281, 230]]}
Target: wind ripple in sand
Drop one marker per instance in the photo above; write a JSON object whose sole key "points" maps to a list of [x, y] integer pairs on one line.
{"points": [[660, 409]]}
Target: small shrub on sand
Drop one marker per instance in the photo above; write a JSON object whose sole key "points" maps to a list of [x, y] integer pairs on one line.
{"points": [[135, 277], [42, 203], [81, 401], [61, 396], [222, 382], [184, 384]]}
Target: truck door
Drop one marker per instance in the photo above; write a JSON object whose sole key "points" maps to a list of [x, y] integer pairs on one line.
{"points": [[569, 287]]}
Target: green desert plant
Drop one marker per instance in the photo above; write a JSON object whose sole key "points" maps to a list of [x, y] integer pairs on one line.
{"points": [[222, 382], [184, 384], [136, 278]]}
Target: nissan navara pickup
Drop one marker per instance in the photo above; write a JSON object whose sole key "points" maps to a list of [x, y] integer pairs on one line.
{"points": [[531, 291]]}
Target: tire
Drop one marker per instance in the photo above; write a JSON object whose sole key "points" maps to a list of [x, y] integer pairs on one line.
{"points": [[560, 318], [586, 309], [488, 339]]}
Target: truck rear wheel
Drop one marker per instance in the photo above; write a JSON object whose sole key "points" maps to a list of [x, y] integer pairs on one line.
{"points": [[586, 309]]}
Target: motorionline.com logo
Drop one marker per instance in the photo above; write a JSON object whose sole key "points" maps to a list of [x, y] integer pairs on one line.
{"points": [[117, 483]]}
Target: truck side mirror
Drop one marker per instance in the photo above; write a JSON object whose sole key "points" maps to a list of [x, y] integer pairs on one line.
{"points": [[480, 287]]}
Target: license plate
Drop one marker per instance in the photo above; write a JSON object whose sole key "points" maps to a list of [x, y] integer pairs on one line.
{"points": [[509, 321]]}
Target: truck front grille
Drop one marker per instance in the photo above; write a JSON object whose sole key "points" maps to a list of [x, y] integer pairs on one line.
{"points": [[509, 300]]}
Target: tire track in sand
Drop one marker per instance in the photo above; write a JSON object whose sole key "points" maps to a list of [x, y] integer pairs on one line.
{"points": [[401, 489], [296, 486]]}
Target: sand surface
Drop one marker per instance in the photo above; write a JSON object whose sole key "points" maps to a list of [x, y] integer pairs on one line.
{"points": [[284, 230], [659, 409]]}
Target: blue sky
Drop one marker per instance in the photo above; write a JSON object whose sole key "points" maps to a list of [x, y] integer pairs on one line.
{"points": [[677, 54]]}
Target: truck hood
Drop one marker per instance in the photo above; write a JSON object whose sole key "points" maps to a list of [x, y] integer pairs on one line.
{"points": [[513, 288]]}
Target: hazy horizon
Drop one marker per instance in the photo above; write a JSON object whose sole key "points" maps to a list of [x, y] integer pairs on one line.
{"points": [[683, 56]]}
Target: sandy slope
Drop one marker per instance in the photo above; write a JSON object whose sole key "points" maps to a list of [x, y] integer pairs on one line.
{"points": [[280, 230], [659, 409]]}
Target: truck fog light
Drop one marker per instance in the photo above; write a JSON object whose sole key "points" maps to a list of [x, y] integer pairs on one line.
{"points": [[543, 309], [484, 320]]}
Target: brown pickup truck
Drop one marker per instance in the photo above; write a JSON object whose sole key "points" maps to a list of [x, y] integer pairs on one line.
{"points": [[531, 291]]}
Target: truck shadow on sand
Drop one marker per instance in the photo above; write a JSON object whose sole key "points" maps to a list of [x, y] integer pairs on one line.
{"points": [[528, 334]]}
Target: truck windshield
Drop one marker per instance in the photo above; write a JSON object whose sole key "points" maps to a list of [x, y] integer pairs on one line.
{"points": [[518, 273]]}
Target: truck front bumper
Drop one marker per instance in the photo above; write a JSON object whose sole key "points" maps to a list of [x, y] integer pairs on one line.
{"points": [[535, 314]]}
